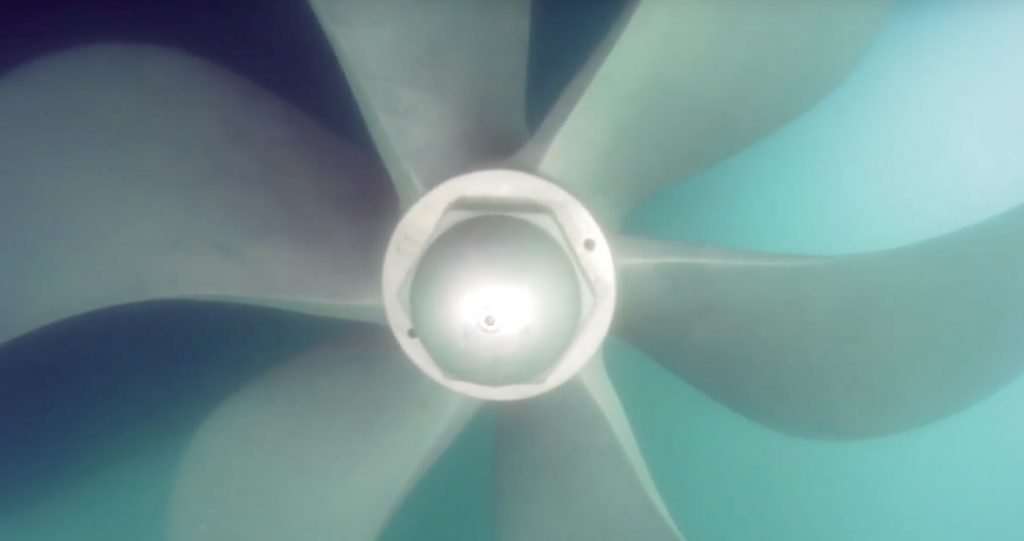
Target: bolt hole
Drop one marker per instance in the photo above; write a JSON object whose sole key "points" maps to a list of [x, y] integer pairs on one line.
{"points": [[411, 333], [589, 245]]}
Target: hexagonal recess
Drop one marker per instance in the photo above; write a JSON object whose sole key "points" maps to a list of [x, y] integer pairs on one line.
{"points": [[525, 196]]}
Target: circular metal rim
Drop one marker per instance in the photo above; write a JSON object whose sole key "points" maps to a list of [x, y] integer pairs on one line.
{"points": [[587, 243]]}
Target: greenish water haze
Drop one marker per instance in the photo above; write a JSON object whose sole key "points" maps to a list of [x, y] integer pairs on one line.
{"points": [[925, 137]]}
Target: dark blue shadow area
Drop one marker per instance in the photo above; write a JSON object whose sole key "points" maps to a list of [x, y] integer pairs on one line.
{"points": [[278, 45], [82, 395]]}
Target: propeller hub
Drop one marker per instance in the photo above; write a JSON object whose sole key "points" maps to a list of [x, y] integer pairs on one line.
{"points": [[495, 300], [499, 285]]}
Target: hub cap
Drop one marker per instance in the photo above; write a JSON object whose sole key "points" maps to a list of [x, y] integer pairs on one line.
{"points": [[499, 285], [495, 301]]}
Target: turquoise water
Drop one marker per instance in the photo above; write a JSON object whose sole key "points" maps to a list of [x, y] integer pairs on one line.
{"points": [[925, 137]]}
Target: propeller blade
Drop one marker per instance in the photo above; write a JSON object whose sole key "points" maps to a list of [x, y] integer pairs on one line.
{"points": [[569, 468], [838, 347], [137, 173], [677, 86], [324, 448], [441, 84]]}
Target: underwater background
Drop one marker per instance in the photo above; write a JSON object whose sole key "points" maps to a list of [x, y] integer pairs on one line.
{"points": [[926, 136]]}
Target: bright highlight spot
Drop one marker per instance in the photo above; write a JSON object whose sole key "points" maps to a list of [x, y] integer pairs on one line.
{"points": [[495, 301], [498, 309]]}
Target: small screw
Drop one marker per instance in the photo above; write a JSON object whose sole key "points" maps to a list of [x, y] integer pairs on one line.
{"points": [[589, 245]]}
